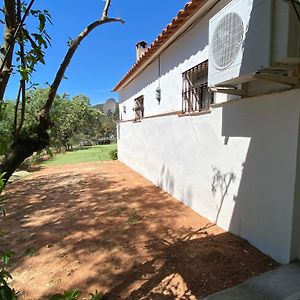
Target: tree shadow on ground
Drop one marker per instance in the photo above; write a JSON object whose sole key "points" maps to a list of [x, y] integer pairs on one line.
{"points": [[191, 266], [109, 229]]}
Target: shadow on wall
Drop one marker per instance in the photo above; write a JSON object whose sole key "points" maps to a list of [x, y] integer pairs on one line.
{"points": [[221, 182], [296, 217], [258, 55], [259, 22], [166, 180], [264, 201]]}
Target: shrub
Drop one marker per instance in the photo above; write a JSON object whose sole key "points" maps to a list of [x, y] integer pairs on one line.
{"points": [[113, 154], [68, 295], [6, 292]]}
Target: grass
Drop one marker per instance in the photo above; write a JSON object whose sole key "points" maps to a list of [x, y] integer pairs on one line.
{"points": [[133, 218], [88, 154]]}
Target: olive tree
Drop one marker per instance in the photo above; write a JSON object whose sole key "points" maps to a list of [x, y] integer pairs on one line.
{"points": [[16, 36]]}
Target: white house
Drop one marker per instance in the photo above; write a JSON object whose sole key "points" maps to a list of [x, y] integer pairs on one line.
{"points": [[210, 113]]}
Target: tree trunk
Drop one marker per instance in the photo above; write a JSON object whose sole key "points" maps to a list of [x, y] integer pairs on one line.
{"points": [[23, 148]]}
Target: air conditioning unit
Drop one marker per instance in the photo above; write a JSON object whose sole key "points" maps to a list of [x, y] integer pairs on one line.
{"points": [[249, 36]]}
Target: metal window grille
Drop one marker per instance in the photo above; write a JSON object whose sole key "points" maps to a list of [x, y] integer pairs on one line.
{"points": [[195, 93], [139, 107]]}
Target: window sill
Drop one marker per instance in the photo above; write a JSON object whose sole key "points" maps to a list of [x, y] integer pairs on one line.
{"points": [[195, 113]]}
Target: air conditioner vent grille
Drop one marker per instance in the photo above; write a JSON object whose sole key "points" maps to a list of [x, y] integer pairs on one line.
{"points": [[227, 40]]}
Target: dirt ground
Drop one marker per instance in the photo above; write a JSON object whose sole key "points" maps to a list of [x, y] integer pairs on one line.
{"points": [[102, 226]]}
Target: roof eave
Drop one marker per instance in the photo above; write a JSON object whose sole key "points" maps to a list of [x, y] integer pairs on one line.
{"points": [[178, 25]]}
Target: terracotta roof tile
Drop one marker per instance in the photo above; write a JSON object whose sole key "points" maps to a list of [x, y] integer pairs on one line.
{"points": [[182, 17]]}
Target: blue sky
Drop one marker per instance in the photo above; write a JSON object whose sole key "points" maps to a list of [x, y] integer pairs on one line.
{"points": [[108, 53]]}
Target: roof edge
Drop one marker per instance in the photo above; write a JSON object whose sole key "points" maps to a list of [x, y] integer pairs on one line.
{"points": [[184, 18]]}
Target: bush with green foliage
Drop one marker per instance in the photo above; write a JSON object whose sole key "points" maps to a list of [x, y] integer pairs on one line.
{"points": [[113, 154], [68, 295], [6, 126], [6, 292], [74, 121], [74, 295]]}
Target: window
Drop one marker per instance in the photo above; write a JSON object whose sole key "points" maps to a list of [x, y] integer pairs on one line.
{"points": [[195, 93], [139, 107]]}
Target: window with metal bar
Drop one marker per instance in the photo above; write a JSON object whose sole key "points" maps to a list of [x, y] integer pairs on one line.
{"points": [[195, 93], [139, 107]]}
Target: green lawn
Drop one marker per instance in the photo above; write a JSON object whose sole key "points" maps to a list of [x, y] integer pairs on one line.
{"points": [[88, 154]]}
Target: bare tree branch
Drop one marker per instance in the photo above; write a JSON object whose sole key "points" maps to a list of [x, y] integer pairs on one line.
{"points": [[16, 111], [27, 35], [105, 10], [44, 114], [23, 65]]}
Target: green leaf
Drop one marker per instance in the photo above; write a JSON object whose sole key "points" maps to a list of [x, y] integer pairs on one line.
{"points": [[25, 72], [42, 19], [6, 256], [6, 293], [68, 295], [48, 38]]}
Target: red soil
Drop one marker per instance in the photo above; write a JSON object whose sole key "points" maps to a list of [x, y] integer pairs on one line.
{"points": [[102, 226]]}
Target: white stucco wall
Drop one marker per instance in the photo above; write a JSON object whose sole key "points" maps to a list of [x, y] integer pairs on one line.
{"points": [[186, 52], [235, 165], [253, 140]]}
